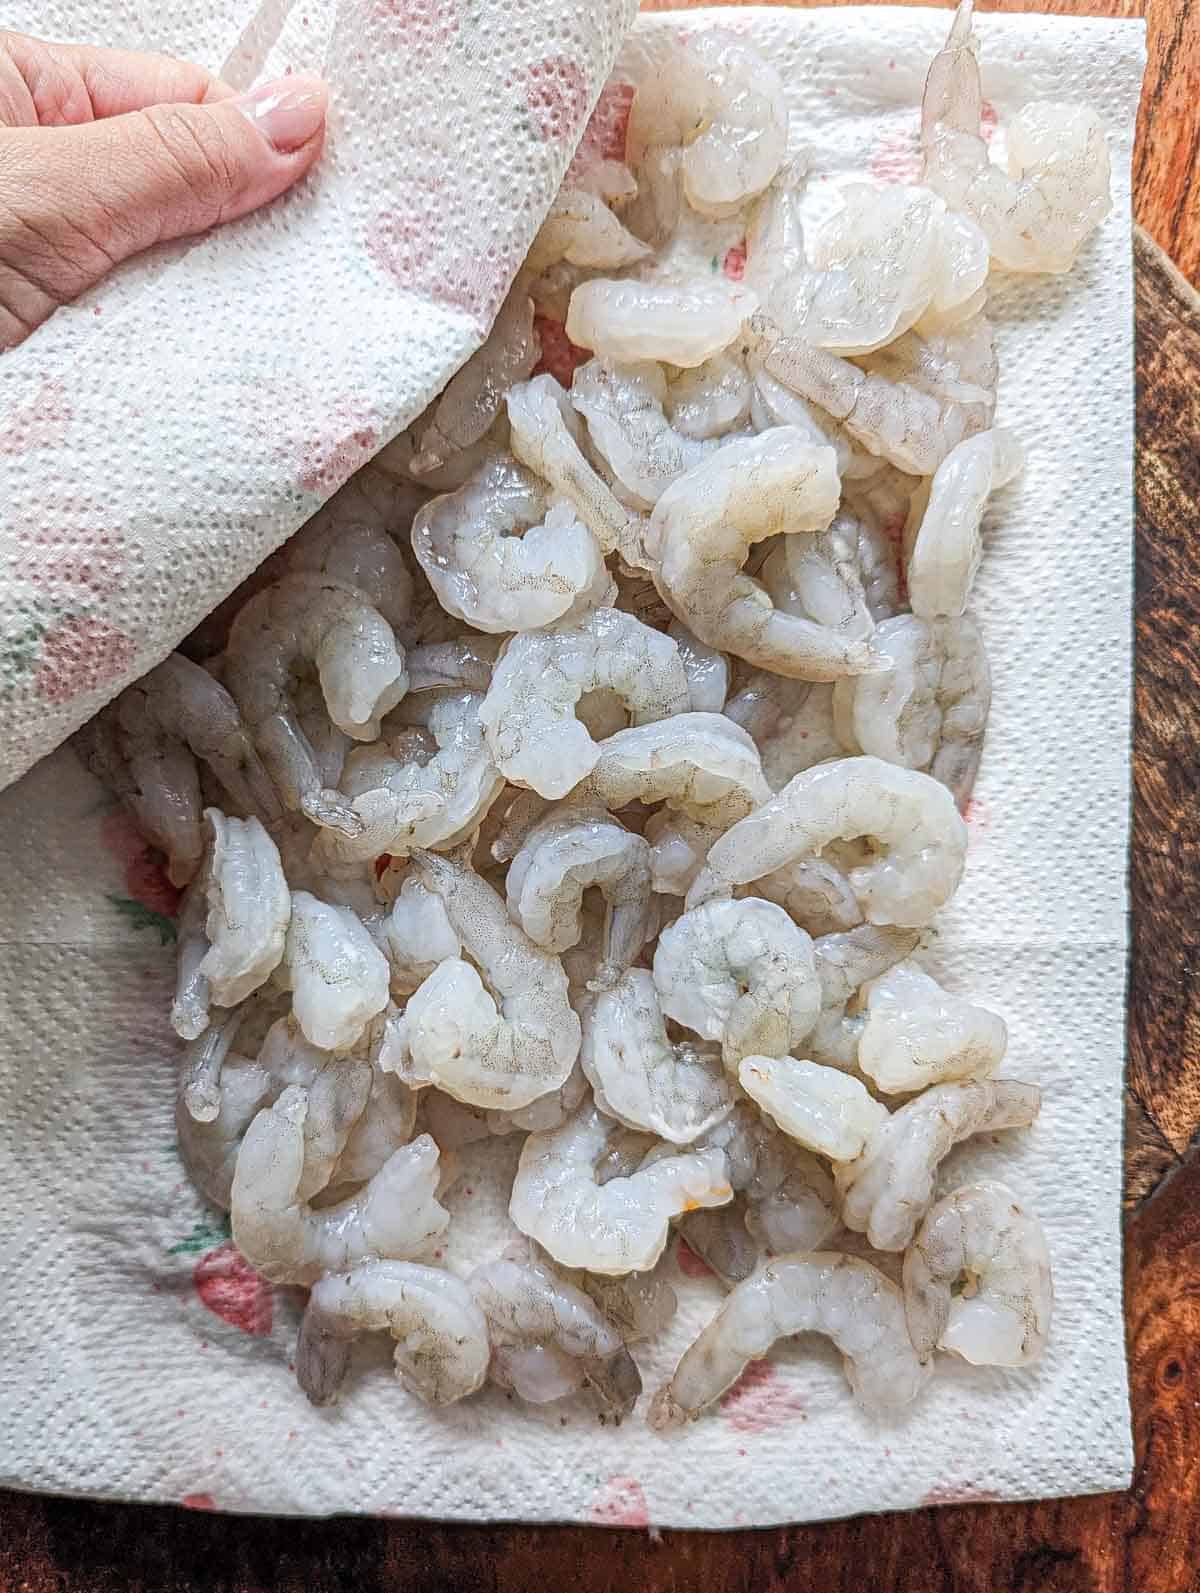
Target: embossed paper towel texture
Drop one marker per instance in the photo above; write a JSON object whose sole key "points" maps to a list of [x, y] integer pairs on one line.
{"points": [[162, 436], [144, 1359]]}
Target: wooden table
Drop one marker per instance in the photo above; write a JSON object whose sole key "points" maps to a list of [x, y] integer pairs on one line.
{"points": [[1144, 1541]]}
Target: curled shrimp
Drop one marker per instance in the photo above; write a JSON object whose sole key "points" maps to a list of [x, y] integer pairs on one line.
{"points": [[462, 663], [547, 1336], [529, 716], [393, 1217], [790, 721], [242, 933], [909, 815], [847, 1300], [209, 1149], [956, 365], [710, 400], [819, 1107], [674, 1090], [611, 1228], [347, 542], [846, 961], [337, 974], [698, 764], [839, 576], [929, 708], [573, 848], [419, 935], [889, 1187], [702, 529], [739, 972], [298, 622], [499, 555], [917, 1034], [441, 1336], [484, 1054], [624, 406], [977, 1279], [1056, 191], [581, 230], [629, 321], [706, 669], [945, 520]]}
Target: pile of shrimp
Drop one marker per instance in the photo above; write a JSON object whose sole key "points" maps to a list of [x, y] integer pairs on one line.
{"points": [[591, 770]]}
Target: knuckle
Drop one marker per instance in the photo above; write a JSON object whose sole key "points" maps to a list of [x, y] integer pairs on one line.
{"points": [[202, 154]]}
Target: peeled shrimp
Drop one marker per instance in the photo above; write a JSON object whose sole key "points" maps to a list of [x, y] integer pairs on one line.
{"points": [[819, 1107], [917, 1034], [791, 722], [309, 621], [889, 1187], [722, 1240], [385, 1123], [209, 1149], [675, 1090], [977, 1279], [848, 1300], [678, 846], [846, 961], [956, 365], [698, 764], [739, 972], [624, 409], [929, 708], [419, 935], [528, 714], [441, 1336], [831, 576], [575, 847], [707, 670], [611, 1228], [464, 663], [394, 1216], [345, 542], [486, 573], [908, 814], [704, 525], [1055, 193], [337, 974], [628, 321], [504, 1055], [581, 229], [946, 514]]}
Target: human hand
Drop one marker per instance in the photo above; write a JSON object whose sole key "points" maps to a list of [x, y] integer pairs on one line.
{"points": [[106, 152]]}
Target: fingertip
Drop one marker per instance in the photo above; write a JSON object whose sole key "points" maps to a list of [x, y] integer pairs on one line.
{"points": [[288, 113]]}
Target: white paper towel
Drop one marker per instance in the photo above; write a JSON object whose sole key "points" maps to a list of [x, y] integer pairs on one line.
{"points": [[144, 1360]]}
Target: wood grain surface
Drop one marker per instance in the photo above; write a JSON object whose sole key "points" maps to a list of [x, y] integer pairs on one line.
{"points": [[1143, 1541]]}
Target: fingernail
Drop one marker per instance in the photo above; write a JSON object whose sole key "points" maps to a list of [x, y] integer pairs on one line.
{"points": [[287, 112]]}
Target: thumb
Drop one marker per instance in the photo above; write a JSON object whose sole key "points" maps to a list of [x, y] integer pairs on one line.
{"points": [[74, 201]]}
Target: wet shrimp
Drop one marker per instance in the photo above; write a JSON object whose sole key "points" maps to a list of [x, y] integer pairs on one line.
{"points": [[581, 230], [393, 1217], [839, 577], [739, 972], [847, 1300], [463, 663], [790, 721], [497, 1050], [888, 1188], [529, 716], [304, 621], [502, 557], [441, 1335], [576, 847], [945, 521], [1038, 214], [337, 974], [917, 1034], [419, 935], [629, 321], [344, 542], [957, 365], [209, 1149], [977, 1279], [706, 669], [702, 529], [928, 709], [624, 406], [674, 1090], [819, 1107], [612, 1228], [386, 1122], [547, 1334], [846, 961]]}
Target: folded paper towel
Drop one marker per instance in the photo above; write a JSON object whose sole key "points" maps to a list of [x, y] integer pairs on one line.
{"points": [[144, 1359]]}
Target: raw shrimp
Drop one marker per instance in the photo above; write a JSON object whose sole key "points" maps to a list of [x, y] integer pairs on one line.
{"points": [[739, 972], [848, 1300], [710, 400], [813, 892], [791, 722], [958, 365], [485, 1054], [581, 229], [535, 1316], [678, 846], [474, 396], [699, 764], [845, 961], [1055, 193], [945, 519], [639, 1305], [830, 576], [337, 974], [312, 621], [385, 1123], [704, 525], [707, 670], [977, 1279], [909, 815], [629, 321], [345, 543], [675, 1090], [248, 908], [441, 1336], [547, 1112], [888, 1189], [612, 1228], [546, 436], [577, 846], [203, 1061], [917, 1034], [403, 803], [464, 663], [209, 1149], [624, 409], [929, 708], [394, 1216], [528, 714], [499, 555], [722, 1240], [419, 935], [819, 1107]]}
